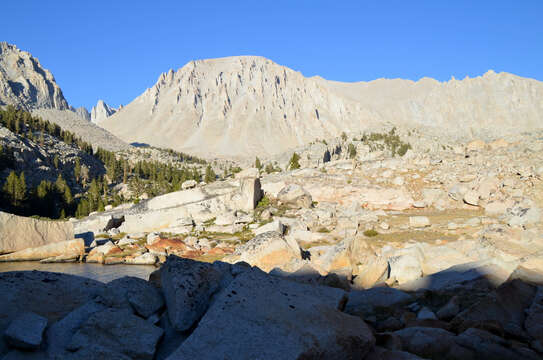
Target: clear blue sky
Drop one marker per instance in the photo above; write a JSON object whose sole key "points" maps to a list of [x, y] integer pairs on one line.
{"points": [[115, 49]]}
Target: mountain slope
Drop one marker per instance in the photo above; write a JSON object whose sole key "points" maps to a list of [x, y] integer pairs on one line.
{"points": [[247, 106], [25, 84], [86, 130]]}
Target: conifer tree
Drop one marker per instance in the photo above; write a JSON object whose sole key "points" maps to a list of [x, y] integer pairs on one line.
{"points": [[294, 162], [209, 175]]}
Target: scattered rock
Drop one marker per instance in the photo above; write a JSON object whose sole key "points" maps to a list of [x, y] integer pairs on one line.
{"points": [[25, 331], [295, 195], [419, 221], [267, 251], [118, 331]]}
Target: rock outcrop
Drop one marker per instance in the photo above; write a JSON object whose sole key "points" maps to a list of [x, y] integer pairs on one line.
{"points": [[101, 111], [18, 232], [25, 84], [57, 251]]}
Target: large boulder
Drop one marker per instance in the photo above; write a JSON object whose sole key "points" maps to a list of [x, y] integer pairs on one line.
{"points": [[188, 286], [505, 307], [534, 316], [431, 343], [295, 195], [267, 251], [263, 317], [366, 302], [119, 331], [51, 295], [70, 249], [485, 345], [135, 293], [26, 331], [59, 334], [250, 193], [18, 232]]}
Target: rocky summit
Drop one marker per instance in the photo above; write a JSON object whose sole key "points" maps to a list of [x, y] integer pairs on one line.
{"points": [[248, 105], [25, 83]]}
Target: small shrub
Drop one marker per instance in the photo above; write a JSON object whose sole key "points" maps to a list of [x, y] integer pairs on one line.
{"points": [[294, 162], [264, 202], [370, 233]]}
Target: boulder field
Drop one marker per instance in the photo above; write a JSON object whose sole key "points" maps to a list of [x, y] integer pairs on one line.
{"points": [[196, 310]]}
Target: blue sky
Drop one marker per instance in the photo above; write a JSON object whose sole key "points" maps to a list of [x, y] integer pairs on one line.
{"points": [[116, 49]]}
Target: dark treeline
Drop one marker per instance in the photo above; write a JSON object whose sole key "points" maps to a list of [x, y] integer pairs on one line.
{"points": [[55, 200]]}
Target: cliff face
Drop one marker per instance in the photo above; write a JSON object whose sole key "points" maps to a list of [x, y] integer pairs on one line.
{"points": [[25, 84], [247, 106]]}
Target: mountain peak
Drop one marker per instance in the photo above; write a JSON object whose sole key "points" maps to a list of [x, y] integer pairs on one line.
{"points": [[25, 83]]}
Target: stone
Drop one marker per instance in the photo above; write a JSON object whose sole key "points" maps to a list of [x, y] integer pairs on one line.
{"points": [[51, 295], [188, 286], [534, 316], [19, 232], [426, 314], [431, 343], [295, 195], [276, 226], [405, 268], [485, 345], [266, 251], [419, 221], [70, 249], [119, 331], [504, 307], [419, 204], [26, 331], [143, 259], [471, 198], [250, 193], [153, 238], [143, 297], [60, 333], [384, 225], [372, 272], [256, 310], [457, 192], [366, 302], [450, 309], [188, 184]]}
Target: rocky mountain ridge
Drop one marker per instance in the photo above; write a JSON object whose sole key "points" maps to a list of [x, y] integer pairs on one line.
{"points": [[247, 105], [25, 83], [101, 111]]}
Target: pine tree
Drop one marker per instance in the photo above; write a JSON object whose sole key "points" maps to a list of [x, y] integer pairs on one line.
{"points": [[77, 169], [294, 162], [10, 187], [209, 175], [258, 164], [56, 161], [20, 194]]}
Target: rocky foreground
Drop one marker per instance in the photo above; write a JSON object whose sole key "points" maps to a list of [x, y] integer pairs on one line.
{"points": [[195, 310]]}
